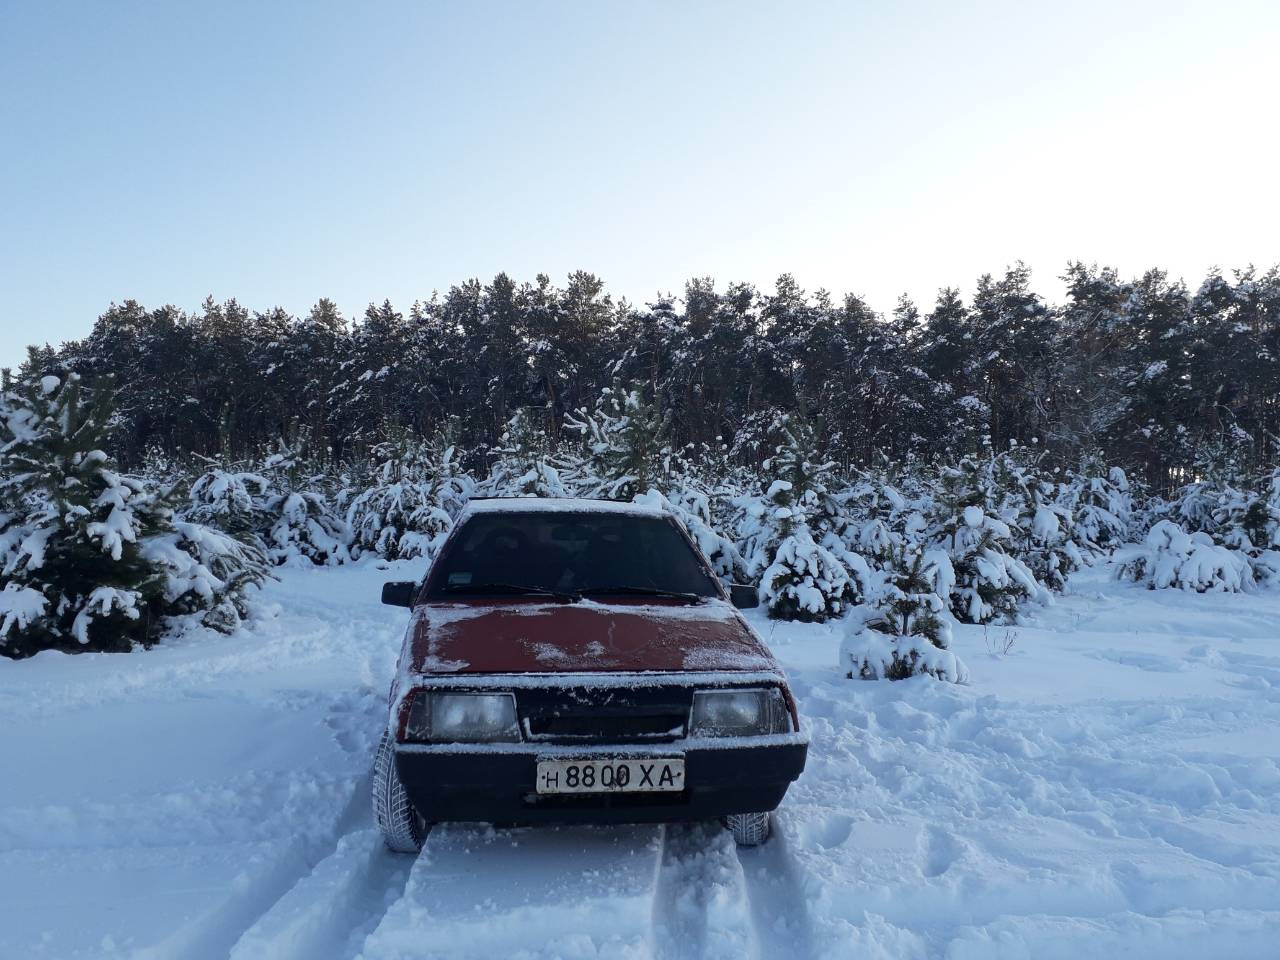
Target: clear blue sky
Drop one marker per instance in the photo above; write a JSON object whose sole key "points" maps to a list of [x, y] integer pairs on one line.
{"points": [[279, 152]]}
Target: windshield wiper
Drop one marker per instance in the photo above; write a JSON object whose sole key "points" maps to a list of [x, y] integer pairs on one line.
{"points": [[629, 590], [515, 589]]}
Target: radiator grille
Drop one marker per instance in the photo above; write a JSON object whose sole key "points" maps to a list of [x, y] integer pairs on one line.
{"points": [[612, 715]]}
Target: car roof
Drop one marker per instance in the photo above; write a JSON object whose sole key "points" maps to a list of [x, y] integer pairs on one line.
{"points": [[560, 505]]}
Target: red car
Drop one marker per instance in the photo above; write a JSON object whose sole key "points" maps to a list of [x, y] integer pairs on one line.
{"points": [[578, 661]]}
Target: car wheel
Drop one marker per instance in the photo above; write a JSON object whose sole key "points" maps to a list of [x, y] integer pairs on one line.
{"points": [[748, 829], [403, 829]]}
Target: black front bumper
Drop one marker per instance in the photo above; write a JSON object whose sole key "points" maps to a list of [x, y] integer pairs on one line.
{"points": [[498, 786]]}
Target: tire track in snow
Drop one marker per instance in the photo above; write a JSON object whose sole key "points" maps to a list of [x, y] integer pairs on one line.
{"points": [[700, 897], [330, 908], [264, 916], [214, 935], [328, 913], [536, 892], [779, 913]]}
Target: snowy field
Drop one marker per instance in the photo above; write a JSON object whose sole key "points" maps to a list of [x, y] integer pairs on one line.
{"points": [[1109, 787]]}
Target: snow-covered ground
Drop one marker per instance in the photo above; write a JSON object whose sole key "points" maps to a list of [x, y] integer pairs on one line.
{"points": [[1108, 786]]}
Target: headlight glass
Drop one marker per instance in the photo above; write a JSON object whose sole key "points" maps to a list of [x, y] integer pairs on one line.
{"points": [[462, 718], [739, 713]]}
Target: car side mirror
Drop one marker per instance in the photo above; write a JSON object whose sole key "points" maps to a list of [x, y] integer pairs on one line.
{"points": [[399, 593], [743, 596]]}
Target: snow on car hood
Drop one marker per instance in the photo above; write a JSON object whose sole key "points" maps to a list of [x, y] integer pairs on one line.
{"points": [[538, 637]]}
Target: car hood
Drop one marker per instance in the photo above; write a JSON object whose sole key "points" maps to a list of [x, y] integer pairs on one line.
{"points": [[625, 636]]}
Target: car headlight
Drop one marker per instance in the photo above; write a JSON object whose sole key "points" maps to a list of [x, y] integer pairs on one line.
{"points": [[462, 718], [739, 713]]}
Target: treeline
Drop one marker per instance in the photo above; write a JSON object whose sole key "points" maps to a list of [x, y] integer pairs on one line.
{"points": [[1144, 373], [95, 558]]}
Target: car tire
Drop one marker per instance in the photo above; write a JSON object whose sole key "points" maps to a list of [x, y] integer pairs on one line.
{"points": [[403, 829], [748, 829]]}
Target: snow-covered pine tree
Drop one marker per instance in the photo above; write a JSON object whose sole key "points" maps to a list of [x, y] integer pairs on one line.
{"points": [[907, 629], [879, 519], [988, 583], [803, 579], [398, 517], [1043, 531], [624, 441], [1267, 564], [525, 465], [1101, 501], [302, 524], [1170, 557], [91, 559], [1217, 468], [207, 573], [228, 498], [453, 484], [1246, 521]]}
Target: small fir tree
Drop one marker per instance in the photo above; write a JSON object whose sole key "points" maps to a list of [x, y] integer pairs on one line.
{"points": [[229, 499], [907, 630], [302, 524], [1171, 557], [803, 579], [1217, 468], [1044, 536], [91, 559], [691, 505], [525, 465], [1247, 522], [624, 440], [880, 518], [453, 485], [988, 583], [398, 517], [1101, 501]]}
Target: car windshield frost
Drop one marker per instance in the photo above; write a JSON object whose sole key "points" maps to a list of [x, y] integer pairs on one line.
{"points": [[567, 555]]}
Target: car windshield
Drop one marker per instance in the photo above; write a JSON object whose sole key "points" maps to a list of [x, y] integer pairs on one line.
{"points": [[567, 555]]}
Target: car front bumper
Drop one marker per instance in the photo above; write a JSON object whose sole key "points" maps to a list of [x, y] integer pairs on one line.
{"points": [[495, 782]]}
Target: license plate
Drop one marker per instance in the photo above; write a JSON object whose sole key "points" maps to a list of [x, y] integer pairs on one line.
{"points": [[610, 776]]}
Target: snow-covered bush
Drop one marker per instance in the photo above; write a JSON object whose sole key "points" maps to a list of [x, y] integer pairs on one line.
{"points": [[1196, 505], [304, 527], [805, 581], [1101, 503], [525, 466], [906, 630], [877, 519], [624, 442], [91, 559], [1044, 534], [1171, 557], [301, 522], [452, 484], [1247, 521], [206, 572], [989, 584], [228, 499], [1219, 520], [399, 517], [800, 577], [1044, 544], [1265, 558], [1244, 519], [278, 503]]}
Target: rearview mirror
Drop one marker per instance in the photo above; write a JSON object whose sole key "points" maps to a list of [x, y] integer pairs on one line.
{"points": [[743, 596], [399, 593]]}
